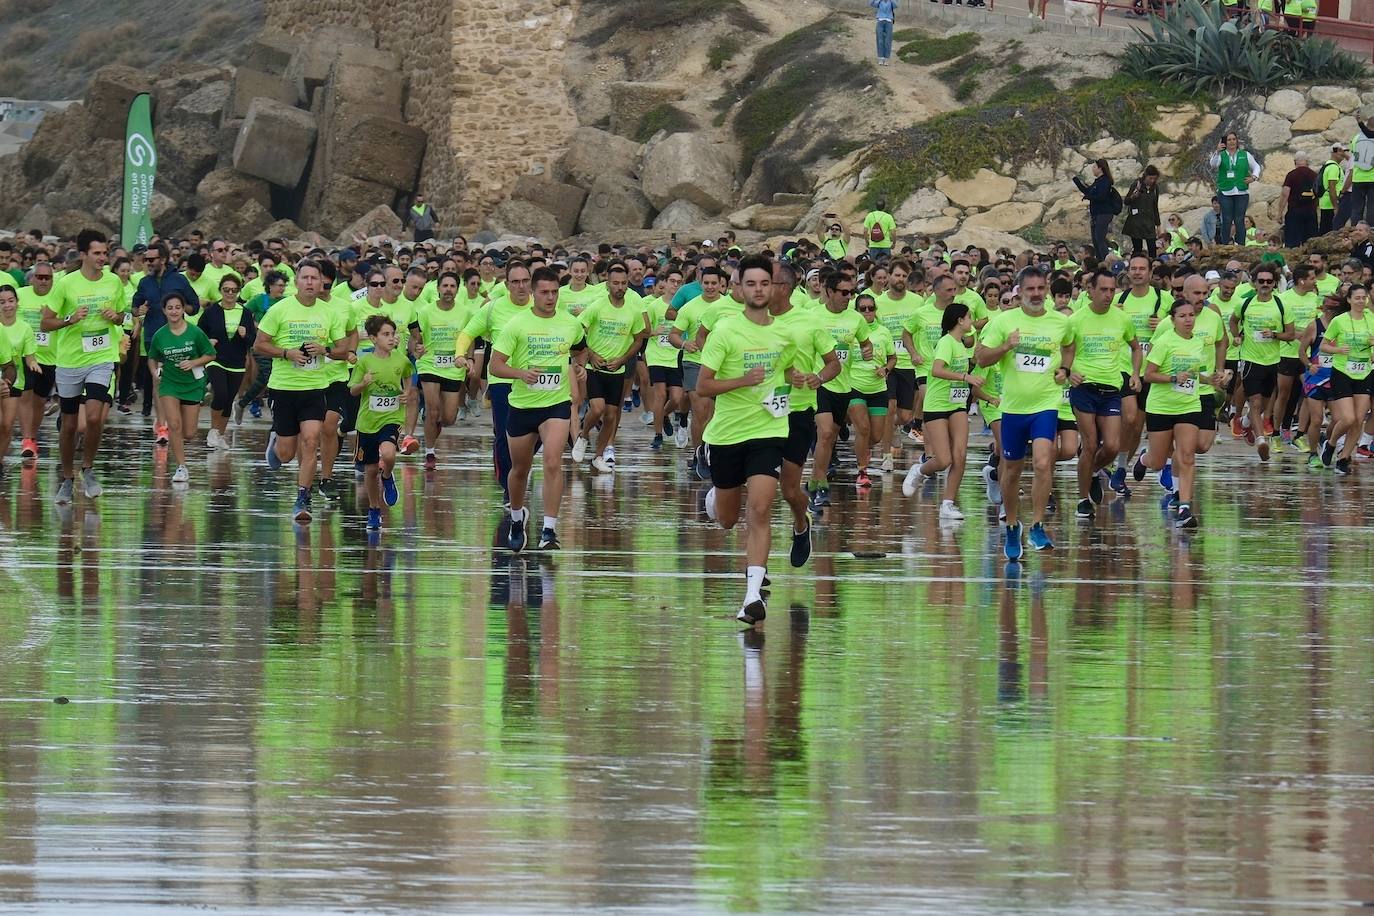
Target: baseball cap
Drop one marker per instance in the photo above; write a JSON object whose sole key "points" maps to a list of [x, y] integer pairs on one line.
{"points": [[708, 244], [1212, 276], [348, 254]]}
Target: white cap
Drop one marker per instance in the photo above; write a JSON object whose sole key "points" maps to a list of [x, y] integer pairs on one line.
{"points": [[1212, 276]]}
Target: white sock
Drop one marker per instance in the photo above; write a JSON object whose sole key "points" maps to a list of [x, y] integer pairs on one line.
{"points": [[609, 453], [517, 515], [711, 504], [1245, 422], [753, 583], [428, 452], [550, 522]]}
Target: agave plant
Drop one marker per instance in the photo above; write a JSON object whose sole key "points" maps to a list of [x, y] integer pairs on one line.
{"points": [[1195, 46]]}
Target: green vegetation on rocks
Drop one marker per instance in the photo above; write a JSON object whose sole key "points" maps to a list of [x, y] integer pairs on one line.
{"points": [[1034, 127], [927, 50], [772, 59], [668, 118], [637, 16], [722, 51]]}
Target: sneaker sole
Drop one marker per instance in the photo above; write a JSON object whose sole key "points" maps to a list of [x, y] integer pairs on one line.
{"points": [[752, 613]]}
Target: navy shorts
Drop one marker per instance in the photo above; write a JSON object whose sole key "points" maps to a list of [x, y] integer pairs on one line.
{"points": [[1019, 429], [369, 449], [1100, 400]]}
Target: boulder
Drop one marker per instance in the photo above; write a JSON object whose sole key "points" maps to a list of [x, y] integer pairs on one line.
{"points": [[383, 150], [185, 153], [680, 215], [562, 201], [688, 167], [774, 173], [1009, 217], [275, 142], [252, 84], [990, 239], [270, 52], [379, 221], [161, 209], [169, 91], [1316, 119], [36, 217], [1034, 173], [315, 55], [281, 229], [924, 204], [53, 140], [520, 217], [631, 101], [1067, 219], [742, 218], [90, 174], [592, 153], [1173, 123], [1286, 103], [202, 108], [984, 189], [233, 188], [1111, 148], [242, 222], [344, 200], [67, 223], [107, 99], [225, 139], [1276, 166], [1053, 190], [1125, 171], [784, 199], [1342, 130], [1265, 131], [1263, 193], [764, 218], [1342, 98], [614, 203], [935, 225]]}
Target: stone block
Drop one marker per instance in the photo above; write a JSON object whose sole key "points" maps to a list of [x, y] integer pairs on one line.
{"points": [[631, 101], [680, 215], [281, 229], [243, 221], [185, 153], [275, 142], [1286, 103], [1111, 148], [1342, 130], [225, 138], [270, 52], [523, 218], [1174, 123], [615, 202], [169, 91], [377, 222], [1009, 217], [1276, 166], [934, 226], [1264, 131], [924, 204], [984, 189], [562, 201], [1342, 98], [688, 167], [990, 239], [383, 150], [202, 108], [107, 99], [255, 84], [231, 187], [344, 200], [592, 153], [1316, 119], [315, 55], [785, 199], [67, 223]]}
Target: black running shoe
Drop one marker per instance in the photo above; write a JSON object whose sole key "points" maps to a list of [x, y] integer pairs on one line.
{"points": [[801, 546], [753, 612]]}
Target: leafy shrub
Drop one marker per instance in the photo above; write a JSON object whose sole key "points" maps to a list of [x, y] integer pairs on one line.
{"points": [[663, 117], [1196, 47]]}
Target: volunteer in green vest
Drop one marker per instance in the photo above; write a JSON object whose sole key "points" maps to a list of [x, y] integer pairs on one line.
{"points": [[1237, 169], [422, 219], [1300, 16]]}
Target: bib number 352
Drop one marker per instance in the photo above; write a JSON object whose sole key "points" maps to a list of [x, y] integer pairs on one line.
{"points": [[1032, 362]]}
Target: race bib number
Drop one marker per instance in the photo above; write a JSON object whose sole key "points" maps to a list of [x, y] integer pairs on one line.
{"points": [[383, 403], [1326, 360], [899, 347], [959, 395], [40, 338], [444, 361], [1187, 386], [312, 363], [778, 401], [550, 379], [1260, 336], [94, 343], [1145, 346], [1356, 365], [197, 372], [1032, 362], [664, 341], [842, 354]]}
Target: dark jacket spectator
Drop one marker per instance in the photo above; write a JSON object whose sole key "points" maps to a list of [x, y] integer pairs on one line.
{"points": [[154, 286], [1102, 208], [1141, 225]]}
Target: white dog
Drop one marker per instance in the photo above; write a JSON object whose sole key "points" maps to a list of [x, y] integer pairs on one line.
{"points": [[1082, 10]]}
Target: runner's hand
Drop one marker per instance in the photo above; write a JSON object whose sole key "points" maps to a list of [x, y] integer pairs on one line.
{"points": [[1075, 378], [184, 365], [579, 372], [1014, 339], [754, 376], [1134, 383], [110, 315], [529, 376]]}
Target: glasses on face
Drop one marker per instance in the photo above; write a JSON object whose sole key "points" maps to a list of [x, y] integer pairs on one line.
{"points": [[1267, 281], [1177, 289], [377, 283], [844, 292], [228, 289], [1006, 300], [220, 250], [868, 308], [396, 282]]}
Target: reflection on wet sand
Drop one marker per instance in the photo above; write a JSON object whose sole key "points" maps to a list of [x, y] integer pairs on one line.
{"points": [[270, 716]]}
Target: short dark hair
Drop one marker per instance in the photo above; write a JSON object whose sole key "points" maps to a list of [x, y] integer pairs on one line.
{"points": [[374, 324], [88, 237], [544, 275]]}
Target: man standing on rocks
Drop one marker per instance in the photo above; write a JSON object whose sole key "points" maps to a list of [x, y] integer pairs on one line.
{"points": [[422, 219], [1298, 203]]}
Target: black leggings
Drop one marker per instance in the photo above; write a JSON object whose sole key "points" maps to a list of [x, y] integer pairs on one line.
{"points": [[259, 382], [224, 384], [1138, 246]]}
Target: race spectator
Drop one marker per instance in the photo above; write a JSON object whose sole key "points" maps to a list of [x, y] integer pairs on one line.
{"points": [[1298, 203], [1237, 169]]}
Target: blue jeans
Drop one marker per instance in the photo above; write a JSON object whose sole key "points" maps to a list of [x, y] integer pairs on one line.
{"points": [[1231, 224], [884, 39], [500, 446]]}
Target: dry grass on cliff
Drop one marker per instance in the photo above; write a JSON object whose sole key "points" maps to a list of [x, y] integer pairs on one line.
{"points": [[638, 16]]}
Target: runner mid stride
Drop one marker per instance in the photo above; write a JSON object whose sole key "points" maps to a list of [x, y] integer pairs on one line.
{"points": [[1034, 349], [743, 367]]}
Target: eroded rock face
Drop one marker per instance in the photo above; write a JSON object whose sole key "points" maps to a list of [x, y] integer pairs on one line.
{"points": [[615, 202], [592, 153], [985, 189], [688, 167]]}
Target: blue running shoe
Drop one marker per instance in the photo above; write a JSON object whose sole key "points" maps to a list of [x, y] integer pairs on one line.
{"points": [[273, 461], [389, 493], [1040, 538], [256, 410], [1166, 476], [515, 539], [301, 511], [1011, 541], [1118, 481], [374, 519]]}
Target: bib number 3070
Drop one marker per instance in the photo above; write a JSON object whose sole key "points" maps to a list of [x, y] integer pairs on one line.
{"points": [[548, 380], [1032, 362], [778, 401]]}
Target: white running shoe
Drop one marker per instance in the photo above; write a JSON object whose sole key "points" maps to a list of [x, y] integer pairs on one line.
{"points": [[579, 450], [912, 479], [604, 466], [682, 438], [950, 511], [182, 475], [90, 485], [887, 464], [646, 417], [711, 504], [993, 487]]}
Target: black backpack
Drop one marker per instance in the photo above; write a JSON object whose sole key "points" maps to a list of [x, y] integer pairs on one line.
{"points": [[1114, 202]]}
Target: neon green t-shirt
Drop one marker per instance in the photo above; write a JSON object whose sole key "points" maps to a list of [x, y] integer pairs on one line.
{"points": [[1302, 310], [381, 403], [1028, 384], [1260, 324], [924, 325], [1099, 341], [1345, 331], [889, 230], [575, 301], [894, 314], [488, 321], [31, 313], [611, 329], [93, 340], [847, 329], [687, 322], [753, 411], [289, 324], [659, 350], [530, 341], [1172, 355], [439, 330], [813, 342], [863, 374], [20, 339], [1155, 304], [944, 395]]}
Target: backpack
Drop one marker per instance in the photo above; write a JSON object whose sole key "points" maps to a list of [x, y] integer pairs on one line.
{"points": [[1321, 178], [1240, 320], [1114, 203], [1364, 153], [1159, 299], [876, 234]]}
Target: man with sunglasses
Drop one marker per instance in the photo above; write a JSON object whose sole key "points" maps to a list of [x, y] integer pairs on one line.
{"points": [[1262, 323], [849, 331]]}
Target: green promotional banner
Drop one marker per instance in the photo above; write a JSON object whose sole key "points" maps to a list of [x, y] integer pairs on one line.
{"points": [[140, 171]]}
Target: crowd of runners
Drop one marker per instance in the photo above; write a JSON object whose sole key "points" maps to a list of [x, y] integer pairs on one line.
{"points": [[753, 365]]}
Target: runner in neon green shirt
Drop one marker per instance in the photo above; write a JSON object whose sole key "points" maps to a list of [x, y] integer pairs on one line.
{"points": [[868, 379], [379, 381], [1174, 369], [849, 331], [443, 377], [16, 354], [689, 336], [535, 350], [617, 326], [1350, 340], [1262, 323], [664, 362]]}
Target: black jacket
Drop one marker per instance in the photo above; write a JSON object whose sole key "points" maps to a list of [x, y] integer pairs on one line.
{"points": [[1098, 194], [231, 350], [1142, 211]]}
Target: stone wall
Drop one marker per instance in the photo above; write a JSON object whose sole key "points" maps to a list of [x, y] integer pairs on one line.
{"points": [[484, 80]]}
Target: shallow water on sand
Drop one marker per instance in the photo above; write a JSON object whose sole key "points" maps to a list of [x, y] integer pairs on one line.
{"points": [[265, 717]]}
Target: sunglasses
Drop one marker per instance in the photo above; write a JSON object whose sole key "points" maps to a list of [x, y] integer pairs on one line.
{"points": [[868, 308], [376, 283], [1264, 281], [228, 289]]}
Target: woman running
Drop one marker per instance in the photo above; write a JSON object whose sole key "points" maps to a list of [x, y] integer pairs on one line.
{"points": [[868, 405], [1348, 339], [1173, 407], [231, 329], [178, 355], [1316, 380], [23, 344]]}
